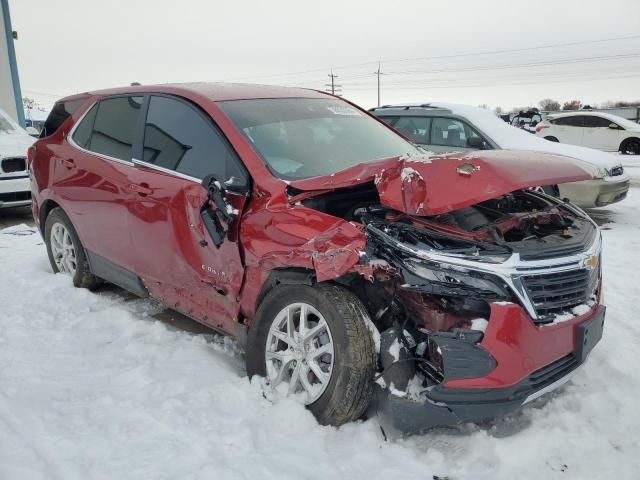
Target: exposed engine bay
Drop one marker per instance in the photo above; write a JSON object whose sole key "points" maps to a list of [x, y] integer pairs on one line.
{"points": [[433, 277]]}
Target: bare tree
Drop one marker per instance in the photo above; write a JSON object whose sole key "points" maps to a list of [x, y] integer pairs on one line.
{"points": [[549, 105], [572, 105], [484, 105]]}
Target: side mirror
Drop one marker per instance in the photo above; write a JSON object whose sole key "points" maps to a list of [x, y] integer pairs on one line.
{"points": [[216, 212], [613, 126], [475, 142]]}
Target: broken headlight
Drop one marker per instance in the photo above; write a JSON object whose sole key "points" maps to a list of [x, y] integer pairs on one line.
{"points": [[443, 279]]}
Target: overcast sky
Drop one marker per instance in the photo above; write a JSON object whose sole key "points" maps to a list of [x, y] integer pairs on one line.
{"points": [[465, 51]]}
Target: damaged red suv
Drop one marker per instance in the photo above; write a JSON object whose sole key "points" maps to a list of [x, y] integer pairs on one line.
{"points": [[360, 274]]}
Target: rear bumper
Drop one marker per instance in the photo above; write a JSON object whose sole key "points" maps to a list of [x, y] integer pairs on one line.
{"points": [[14, 191], [596, 193], [472, 400]]}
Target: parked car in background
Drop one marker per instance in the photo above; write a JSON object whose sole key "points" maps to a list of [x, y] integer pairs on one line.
{"points": [[527, 120], [449, 127], [358, 273], [602, 131], [14, 179]]}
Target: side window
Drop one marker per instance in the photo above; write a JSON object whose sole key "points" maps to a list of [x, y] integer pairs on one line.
{"points": [[59, 113], [415, 129], [574, 121], [178, 137], [388, 120], [596, 122], [450, 132], [114, 127], [82, 133]]}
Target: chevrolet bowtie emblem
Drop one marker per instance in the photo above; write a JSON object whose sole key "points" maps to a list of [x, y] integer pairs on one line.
{"points": [[591, 263]]}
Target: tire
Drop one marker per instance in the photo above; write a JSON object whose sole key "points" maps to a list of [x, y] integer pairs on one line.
{"points": [[82, 276], [350, 386], [551, 139], [631, 146]]}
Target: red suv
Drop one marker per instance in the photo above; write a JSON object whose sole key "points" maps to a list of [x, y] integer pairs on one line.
{"points": [[360, 273]]}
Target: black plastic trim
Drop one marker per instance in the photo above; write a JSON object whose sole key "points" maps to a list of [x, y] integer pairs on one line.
{"points": [[114, 273]]}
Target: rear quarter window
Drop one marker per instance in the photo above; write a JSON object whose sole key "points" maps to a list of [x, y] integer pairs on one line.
{"points": [[59, 114]]}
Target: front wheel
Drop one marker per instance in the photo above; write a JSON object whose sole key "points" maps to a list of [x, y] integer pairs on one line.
{"points": [[315, 343], [631, 146]]}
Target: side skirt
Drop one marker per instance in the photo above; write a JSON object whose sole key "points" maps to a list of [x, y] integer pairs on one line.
{"points": [[114, 273]]}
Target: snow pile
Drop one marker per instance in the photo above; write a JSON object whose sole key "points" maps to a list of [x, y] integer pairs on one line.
{"points": [[92, 387]]}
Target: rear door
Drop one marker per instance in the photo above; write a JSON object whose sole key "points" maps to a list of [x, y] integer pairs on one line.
{"points": [[415, 129], [173, 252], [569, 129], [92, 175]]}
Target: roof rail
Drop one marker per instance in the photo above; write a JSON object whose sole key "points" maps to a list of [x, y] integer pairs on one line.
{"points": [[407, 107]]}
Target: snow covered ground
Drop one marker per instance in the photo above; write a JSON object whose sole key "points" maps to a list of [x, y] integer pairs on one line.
{"points": [[93, 387]]}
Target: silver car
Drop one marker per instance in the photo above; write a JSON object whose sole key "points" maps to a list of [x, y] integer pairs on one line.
{"points": [[448, 127]]}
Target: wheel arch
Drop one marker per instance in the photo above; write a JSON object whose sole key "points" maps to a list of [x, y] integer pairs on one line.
{"points": [[45, 209], [626, 141]]}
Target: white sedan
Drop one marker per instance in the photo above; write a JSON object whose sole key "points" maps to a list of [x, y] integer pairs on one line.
{"points": [[592, 129], [15, 190], [449, 127]]}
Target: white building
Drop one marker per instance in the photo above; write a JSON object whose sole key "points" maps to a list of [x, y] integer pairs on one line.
{"points": [[10, 94]]}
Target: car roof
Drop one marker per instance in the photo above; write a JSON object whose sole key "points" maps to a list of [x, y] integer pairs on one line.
{"points": [[587, 113], [419, 109], [214, 91]]}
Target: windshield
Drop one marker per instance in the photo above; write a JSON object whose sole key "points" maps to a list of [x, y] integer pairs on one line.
{"points": [[307, 137]]}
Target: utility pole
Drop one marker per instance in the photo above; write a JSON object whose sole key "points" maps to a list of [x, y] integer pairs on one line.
{"points": [[333, 87], [378, 73]]}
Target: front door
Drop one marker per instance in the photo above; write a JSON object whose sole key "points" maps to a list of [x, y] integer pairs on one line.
{"points": [[175, 257], [598, 134]]}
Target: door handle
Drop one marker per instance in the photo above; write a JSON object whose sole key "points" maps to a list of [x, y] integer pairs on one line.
{"points": [[69, 163], [141, 189]]}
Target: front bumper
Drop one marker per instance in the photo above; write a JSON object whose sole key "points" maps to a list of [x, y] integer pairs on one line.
{"points": [[14, 191], [531, 361], [597, 192]]}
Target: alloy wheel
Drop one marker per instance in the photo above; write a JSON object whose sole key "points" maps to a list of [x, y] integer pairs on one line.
{"points": [[300, 351], [63, 249]]}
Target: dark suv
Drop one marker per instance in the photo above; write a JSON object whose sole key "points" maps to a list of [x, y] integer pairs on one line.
{"points": [[358, 273]]}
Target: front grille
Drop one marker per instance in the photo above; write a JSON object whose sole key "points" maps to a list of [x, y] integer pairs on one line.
{"points": [[615, 171], [14, 164], [555, 293], [15, 197]]}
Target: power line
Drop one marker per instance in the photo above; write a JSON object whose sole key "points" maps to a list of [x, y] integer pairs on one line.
{"points": [[439, 57], [493, 84]]}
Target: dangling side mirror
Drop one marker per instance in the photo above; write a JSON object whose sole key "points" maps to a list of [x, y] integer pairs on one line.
{"points": [[216, 210]]}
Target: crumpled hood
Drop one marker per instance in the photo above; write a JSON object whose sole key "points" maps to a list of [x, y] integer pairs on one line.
{"points": [[432, 185]]}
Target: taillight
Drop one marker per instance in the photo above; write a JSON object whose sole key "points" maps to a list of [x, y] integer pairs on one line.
{"points": [[31, 153], [540, 127]]}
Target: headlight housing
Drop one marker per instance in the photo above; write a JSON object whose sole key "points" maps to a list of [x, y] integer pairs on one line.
{"points": [[440, 278]]}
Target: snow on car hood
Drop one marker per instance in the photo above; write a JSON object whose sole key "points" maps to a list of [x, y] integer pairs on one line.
{"points": [[431, 185], [15, 144], [509, 137]]}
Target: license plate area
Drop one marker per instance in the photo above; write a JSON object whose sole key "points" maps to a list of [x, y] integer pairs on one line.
{"points": [[588, 334]]}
